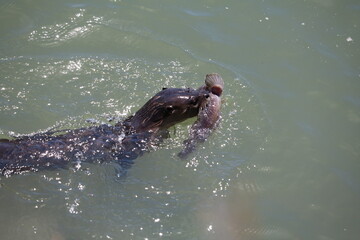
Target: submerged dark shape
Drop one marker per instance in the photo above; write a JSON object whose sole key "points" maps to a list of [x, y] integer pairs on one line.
{"points": [[209, 114], [122, 142]]}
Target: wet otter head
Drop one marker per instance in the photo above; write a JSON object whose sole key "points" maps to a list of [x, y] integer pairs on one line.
{"points": [[168, 107]]}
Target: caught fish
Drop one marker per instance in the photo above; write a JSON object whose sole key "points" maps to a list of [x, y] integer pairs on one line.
{"points": [[208, 116]]}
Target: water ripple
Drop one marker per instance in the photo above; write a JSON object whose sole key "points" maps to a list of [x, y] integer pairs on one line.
{"points": [[78, 26]]}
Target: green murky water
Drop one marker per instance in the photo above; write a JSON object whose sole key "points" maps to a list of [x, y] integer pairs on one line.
{"points": [[284, 163]]}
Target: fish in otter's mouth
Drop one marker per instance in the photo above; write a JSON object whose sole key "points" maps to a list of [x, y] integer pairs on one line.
{"points": [[208, 116]]}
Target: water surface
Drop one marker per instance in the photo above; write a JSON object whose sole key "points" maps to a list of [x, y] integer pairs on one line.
{"points": [[284, 163]]}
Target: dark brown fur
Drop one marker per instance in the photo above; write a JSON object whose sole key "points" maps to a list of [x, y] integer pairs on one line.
{"points": [[122, 142]]}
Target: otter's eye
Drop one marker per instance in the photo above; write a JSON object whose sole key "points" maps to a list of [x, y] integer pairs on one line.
{"points": [[169, 109], [207, 96]]}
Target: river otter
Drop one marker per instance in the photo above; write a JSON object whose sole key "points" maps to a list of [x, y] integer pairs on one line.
{"points": [[122, 142]]}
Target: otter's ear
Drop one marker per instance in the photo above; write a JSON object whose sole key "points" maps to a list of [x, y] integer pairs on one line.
{"points": [[164, 88]]}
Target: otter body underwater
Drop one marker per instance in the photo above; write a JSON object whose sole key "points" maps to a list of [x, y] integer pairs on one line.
{"points": [[122, 142]]}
